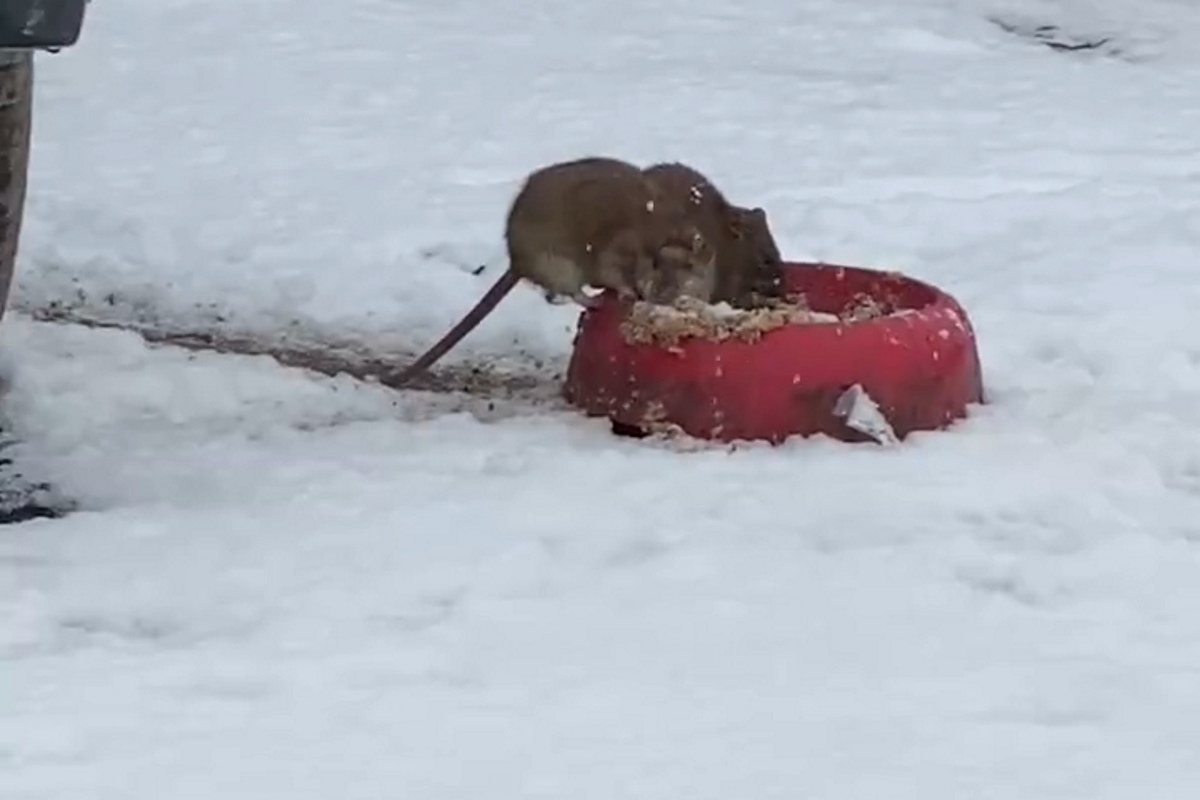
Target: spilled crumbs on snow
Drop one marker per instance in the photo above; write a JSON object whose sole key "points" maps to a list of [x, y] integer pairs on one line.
{"points": [[688, 317]]}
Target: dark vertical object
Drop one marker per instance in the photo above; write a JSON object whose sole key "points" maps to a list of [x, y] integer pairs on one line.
{"points": [[21, 498], [25, 26], [16, 116]]}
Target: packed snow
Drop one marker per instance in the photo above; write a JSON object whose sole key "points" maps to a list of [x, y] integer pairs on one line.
{"points": [[285, 584]]}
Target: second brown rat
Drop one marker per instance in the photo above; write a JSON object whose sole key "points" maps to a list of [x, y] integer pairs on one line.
{"points": [[748, 259]]}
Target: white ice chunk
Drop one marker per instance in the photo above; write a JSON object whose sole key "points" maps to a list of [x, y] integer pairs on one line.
{"points": [[864, 415]]}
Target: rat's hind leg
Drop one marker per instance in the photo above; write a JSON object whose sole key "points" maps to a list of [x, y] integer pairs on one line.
{"points": [[559, 277], [556, 277]]}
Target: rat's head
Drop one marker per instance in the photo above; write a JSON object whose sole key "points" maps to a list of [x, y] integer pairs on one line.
{"points": [[680, 263], [756, 246]]}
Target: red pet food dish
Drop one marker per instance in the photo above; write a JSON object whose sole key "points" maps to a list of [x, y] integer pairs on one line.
{"points": [[908, 362]]}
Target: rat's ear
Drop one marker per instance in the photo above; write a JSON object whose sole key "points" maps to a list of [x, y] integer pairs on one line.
{"points": [[757, 216]]}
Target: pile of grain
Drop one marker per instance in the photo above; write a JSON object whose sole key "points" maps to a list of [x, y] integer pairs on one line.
{"points": [[667, 325]]}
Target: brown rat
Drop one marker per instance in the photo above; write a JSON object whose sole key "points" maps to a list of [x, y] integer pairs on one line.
{"points": [[748, 259], [591, 222]]}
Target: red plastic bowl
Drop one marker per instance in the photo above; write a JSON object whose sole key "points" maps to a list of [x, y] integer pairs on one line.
{"points": [[920, 366]]}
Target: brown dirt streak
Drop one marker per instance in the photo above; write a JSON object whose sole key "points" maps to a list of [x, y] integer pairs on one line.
{"points": [[332, 359]]}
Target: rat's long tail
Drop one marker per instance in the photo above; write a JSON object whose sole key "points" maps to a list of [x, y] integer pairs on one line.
{"points": [[503, 285]]}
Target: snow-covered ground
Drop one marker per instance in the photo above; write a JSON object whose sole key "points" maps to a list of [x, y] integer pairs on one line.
{"points": [[288, 585]]}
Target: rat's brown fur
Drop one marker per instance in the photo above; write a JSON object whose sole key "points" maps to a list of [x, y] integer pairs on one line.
{"points": [[591, 222], [748, 259]]}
